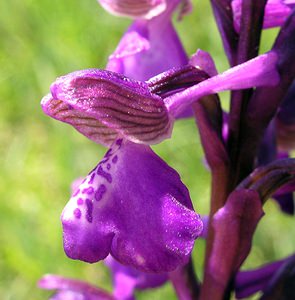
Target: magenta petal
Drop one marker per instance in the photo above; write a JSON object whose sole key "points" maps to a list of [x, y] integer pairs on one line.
{"points": [[134, 206], [275, 14], [203, 60], [134, 8], [147, 49], [72, 289], [103, 104], [134, 41], [250, 282], [127, 279], [260, 71]]}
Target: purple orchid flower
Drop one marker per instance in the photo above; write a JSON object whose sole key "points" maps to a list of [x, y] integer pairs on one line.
{"points": [[106, 106], [72, 289], [275, 14], [150, 46], [125, 55]]}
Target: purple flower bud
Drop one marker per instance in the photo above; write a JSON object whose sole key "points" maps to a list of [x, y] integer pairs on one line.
{"points": [[102, 105], [134, 206], [203, 60], [234, 225]]}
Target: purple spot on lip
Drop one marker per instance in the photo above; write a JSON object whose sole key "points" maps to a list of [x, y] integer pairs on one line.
{"points": [[109, 153], [115, 159], [91, 178], [100, 192], [77, 213], [89, 210], [104, 174], [76, 193], [80, 201], [119, 142], [106, 159], [88, 190]]}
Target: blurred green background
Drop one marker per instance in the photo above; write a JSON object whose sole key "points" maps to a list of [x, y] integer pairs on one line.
{"points": [[40, 157]]}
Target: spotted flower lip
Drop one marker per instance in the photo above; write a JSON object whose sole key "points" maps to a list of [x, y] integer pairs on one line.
{"points": [[275, 14], [97, 220], [102, 105]]}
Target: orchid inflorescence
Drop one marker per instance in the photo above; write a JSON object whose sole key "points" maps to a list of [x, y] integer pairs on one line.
{"points": [[132, 210]]}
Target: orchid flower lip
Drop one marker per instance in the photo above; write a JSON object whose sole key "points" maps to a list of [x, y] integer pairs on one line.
{"points": [[97, 221]]}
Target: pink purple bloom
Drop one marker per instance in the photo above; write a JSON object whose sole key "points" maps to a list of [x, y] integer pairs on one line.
{"points": [[106, 106], [132, 207]]}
